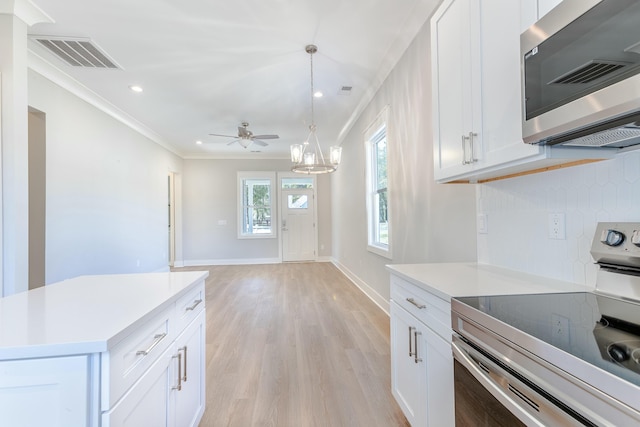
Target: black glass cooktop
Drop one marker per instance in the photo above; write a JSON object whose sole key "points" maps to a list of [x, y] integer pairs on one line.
{"points": [[600, 330]]}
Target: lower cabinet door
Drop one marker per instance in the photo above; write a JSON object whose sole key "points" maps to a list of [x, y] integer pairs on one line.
{"points": [[408, 369], [440, 382], [147, 402], [45, 392], [189, 398]]}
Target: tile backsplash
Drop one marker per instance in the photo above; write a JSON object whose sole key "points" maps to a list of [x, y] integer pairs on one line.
{"points": [[517, 212]]}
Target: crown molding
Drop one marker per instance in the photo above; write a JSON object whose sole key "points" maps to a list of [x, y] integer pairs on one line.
{"points": [[26, 11], [49, 71]]}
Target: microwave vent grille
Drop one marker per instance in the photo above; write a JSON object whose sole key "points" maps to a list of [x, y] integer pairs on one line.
{"points": [[589, 72], [616, 136]]}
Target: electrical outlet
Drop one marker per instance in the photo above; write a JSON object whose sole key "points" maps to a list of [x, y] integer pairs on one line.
{"points": [[483, 226], [557, 226]]}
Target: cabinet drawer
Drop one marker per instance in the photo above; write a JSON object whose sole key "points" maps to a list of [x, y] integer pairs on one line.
{"points": [[189, 306], [129, 359], [147, 402], [428, 308]]}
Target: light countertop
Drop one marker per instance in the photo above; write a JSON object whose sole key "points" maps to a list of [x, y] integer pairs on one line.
{"points": [[87, 314], [447, 280]]}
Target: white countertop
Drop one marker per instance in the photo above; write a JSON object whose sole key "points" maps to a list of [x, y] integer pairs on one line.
{"points": [[447, 280], [87, 314]]}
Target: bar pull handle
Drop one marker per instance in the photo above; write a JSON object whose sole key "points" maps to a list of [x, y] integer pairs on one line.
{"points": [[410, 348], [464, 150], [157, 338], [195, 304], [415, 344], [473, 153], [413, 301], [179, 357], [184, 373]]}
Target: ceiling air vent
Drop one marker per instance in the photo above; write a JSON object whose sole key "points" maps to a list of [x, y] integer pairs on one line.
{"points": [[589, 72], [76, 52]]}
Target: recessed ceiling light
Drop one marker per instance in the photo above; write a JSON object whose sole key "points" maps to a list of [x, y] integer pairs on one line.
{"points": [[199, 142], [135, 88], [318, 94]]}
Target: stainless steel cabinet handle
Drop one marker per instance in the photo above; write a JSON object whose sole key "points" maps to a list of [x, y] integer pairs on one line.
{"points": [[157, 338], [415, 337], [184, 374], [464, 150], [473, 154], [195, 304], [413, 301], [179, 386], [410, 348]]}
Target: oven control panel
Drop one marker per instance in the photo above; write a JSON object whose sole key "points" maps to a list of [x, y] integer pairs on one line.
{"points": [[617, 244]]}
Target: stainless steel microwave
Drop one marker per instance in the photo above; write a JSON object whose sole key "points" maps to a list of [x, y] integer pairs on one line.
{"points": [[581, 75]]}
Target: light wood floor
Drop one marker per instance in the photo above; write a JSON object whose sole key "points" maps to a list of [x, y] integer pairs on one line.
{"points": [[295, 345]]}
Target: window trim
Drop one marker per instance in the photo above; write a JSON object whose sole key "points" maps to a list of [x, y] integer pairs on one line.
{"points": [[370, 135], [271, 177]]}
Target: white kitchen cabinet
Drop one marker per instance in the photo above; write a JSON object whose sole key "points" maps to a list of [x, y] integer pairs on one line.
{"points": [[456, 88], [122, 350], [147, 402], [421, 361], [57, 387], [544, 6], [171, 392], [477, 119], [476, 86], [532, 10], [189, 397], [408, 375]]}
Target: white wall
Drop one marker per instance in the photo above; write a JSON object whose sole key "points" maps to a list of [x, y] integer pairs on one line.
{"points": [[517, 210], [210, 196], [430, 222], [106, 201]]}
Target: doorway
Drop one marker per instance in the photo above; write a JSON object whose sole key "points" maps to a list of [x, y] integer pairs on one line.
{"points": [[298, 215], [37, 122]]}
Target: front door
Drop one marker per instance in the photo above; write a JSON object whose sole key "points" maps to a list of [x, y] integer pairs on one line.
{"points": [[298, 224]]}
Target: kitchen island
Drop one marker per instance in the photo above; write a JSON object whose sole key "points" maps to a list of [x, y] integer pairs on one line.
{"points": [[104, 350]]}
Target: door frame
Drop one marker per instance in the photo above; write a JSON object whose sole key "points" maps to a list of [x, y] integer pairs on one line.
{"points": [[279, 177]]}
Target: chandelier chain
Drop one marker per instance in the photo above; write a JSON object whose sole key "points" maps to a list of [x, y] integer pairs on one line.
{"points": [[313, 122]]}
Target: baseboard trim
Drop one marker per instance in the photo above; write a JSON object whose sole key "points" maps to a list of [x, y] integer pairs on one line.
{"points": [[364, 287], [239, 261]]}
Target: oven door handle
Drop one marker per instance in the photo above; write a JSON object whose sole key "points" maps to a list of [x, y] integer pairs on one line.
{"points": [[461, 353]]}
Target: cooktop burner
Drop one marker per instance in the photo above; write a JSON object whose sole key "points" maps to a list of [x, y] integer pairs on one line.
{"points": [[601, 330]]}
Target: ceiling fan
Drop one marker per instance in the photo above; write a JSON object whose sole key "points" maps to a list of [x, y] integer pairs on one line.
{"points": [[245, 137]]}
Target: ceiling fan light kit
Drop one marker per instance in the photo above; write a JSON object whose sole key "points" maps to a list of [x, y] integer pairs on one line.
{"points": [[307, 157]]}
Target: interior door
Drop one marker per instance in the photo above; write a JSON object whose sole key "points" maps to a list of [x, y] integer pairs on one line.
{"points": [[298, 225]]}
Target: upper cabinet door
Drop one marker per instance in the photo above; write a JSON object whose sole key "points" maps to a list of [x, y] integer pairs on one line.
{"points": [[544, 6], [455, 85], [501, 88], [532, 10]]}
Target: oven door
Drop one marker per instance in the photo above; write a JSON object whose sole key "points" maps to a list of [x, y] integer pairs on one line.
{"points": [[489, 393]]}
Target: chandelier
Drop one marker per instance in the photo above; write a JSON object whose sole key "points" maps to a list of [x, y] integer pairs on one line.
{"points": [[307, 157]]}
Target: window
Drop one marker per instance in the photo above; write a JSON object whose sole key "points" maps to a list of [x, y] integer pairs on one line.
{"points": [[377, 187], [255, 205], [296, 183], [297, 201]]}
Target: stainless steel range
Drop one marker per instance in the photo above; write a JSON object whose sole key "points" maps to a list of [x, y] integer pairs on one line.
{"points": [[555, 359]]}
